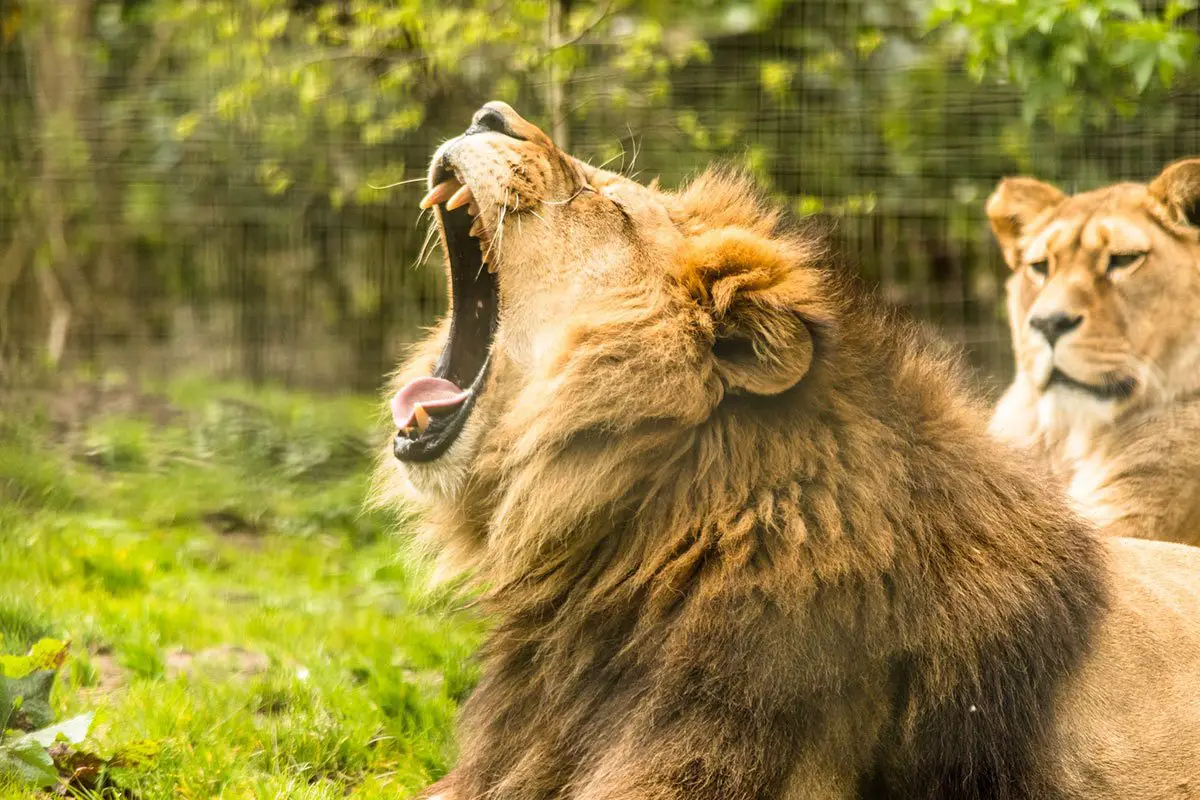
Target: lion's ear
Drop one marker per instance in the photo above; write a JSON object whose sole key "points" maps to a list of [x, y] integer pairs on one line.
{"points": [[1014, 204], [1178, 189], [764, 308]]}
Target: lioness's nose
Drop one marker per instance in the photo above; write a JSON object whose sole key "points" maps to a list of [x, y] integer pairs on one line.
{"points": [[1053, 326], [497, 117]]}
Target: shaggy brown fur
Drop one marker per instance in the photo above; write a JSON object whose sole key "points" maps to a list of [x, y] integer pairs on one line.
{"points": [[744, 533], [1130, 463]]}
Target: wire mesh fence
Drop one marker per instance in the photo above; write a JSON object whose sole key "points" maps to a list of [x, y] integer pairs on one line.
{"points": [[183, 188]]}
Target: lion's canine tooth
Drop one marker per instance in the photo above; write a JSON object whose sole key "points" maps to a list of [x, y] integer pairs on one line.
{"points": [[476, 227], [421, 416], [439, 193], [460, 198]]}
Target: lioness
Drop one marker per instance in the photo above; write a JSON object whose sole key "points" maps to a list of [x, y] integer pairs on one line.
{"points": [[745, 536], [1104, 304]]}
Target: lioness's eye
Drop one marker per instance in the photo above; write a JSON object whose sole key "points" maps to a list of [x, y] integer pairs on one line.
{"points": [[1041, 267], [1121, 260]]}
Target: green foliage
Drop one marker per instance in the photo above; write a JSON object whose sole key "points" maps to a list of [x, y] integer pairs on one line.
{"points": [[313, 86], [28, 762], [37, 758], [117, 444], [232, 174], [238, 631], [1075, 62], [27, 682], [29, 479], [22, 624], [30, 698]]}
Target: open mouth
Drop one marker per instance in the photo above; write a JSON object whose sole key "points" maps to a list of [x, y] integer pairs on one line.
{"points": [[1117, 389], [430, 412]]}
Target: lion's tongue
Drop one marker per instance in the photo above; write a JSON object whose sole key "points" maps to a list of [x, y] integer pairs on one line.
{"points": [[433, 395]]}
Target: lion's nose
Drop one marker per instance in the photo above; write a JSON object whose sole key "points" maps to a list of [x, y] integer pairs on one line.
{"points": [[495, 117], [1053, 326]]}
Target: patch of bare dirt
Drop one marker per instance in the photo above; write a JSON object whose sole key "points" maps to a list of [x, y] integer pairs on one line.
{"points": [[109, 674], [235, 527], [70, 404], [222, 661]]}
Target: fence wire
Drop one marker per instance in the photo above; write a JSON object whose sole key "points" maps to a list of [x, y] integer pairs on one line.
{"points": [[137, 233]]}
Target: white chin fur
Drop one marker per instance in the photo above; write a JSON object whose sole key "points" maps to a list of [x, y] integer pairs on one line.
{"points": [[1042, 367], [1076, 416], [1090, 494], [442, 478]]}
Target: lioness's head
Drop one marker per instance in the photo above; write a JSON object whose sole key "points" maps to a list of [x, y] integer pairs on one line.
{"points": [[595, 324], [1104, 297]]}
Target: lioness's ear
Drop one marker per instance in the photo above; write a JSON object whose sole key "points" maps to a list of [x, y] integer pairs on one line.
{"points": [[1178, 189], [764, 308], [1016, 203]]}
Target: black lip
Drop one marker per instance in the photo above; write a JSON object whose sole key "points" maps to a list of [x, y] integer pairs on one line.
{"points": [[1118, 389], [475, 309]]}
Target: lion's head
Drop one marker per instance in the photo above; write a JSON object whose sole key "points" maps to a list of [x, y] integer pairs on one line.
{"points": [[592, 318], [1104, 297]]}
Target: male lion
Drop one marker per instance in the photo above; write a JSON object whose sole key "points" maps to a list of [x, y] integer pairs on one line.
{"points": [[1104, 304], [745, 536]]}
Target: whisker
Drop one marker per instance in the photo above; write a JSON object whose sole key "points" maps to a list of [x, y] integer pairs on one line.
{"points": [[636, 149], [578, 192], [497, 241], [500, 230], [620, 155], [397, 183], [426, 252], [426, 247]]}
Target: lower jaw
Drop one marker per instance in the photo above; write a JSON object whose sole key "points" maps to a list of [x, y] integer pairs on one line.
{"points": [[419, 451], [441, 435], [1080, 389]]}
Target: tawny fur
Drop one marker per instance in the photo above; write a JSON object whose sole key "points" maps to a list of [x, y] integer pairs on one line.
{"points": [[744, 534], [1131, 465]]}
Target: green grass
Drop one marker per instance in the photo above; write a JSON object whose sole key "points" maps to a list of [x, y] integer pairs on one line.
{"points": [[207, 553]]}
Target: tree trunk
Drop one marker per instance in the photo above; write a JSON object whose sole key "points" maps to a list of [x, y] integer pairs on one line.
{"points": [[556, 100], [57, 35], [251, 294]]}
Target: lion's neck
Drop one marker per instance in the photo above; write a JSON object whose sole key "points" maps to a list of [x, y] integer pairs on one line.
{"points": [[849, 490], [874, 540], [885, 555]]}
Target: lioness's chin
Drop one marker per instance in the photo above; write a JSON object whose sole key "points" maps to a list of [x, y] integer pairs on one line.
{"points": [[1072, 418]]}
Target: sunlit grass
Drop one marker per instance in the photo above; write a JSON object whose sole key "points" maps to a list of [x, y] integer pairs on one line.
{"points": [[228, 597]]}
